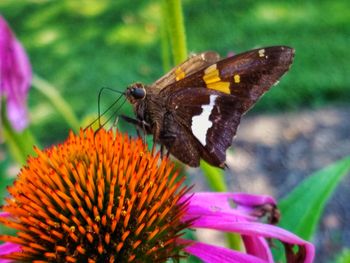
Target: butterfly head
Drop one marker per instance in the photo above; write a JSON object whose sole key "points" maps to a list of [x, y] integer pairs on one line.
{"points": [[135, 92]]}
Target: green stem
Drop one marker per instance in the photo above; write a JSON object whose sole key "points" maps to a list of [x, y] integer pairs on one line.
{"points": [[172, 14], [165, 40], [57, 101], [215, 177]]}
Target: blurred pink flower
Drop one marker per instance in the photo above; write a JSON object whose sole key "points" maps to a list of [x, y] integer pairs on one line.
{"points": [[15, 77]]}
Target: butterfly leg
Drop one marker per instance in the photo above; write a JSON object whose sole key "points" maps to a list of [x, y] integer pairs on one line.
{"points": [[166, 139], [161, 151], [139, 124]]}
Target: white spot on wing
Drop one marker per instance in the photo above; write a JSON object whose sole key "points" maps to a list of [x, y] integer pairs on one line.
{"points": [[261, 52], [201, 123]]}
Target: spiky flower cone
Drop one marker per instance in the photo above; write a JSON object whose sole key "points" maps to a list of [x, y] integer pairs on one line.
{"points": [[96, 198]]}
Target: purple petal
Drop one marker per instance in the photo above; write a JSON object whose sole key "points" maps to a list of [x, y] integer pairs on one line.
{"points": [[7, 248], [215, 254], [15, 76]]}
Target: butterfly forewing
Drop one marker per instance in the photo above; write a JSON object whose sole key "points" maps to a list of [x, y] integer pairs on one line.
{"points": [[193, 64], [252, 73]]}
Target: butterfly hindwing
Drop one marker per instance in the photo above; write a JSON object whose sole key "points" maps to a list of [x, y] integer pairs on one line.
{"points": [[209, 117]]}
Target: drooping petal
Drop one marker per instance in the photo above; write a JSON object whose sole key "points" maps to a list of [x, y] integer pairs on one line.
{"points": [[213, 211], [205, 203], [258, 206], [245, 199], [7, 248], [238, 206], [15, 76], [216, 254], [257, 246], [222, 222], [4, 214]]}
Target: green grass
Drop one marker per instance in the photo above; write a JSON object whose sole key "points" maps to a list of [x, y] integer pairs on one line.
{"points": [[81, 46]]}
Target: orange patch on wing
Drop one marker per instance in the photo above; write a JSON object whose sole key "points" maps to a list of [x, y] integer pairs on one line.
{"points": [[212, 79], [180, 74]]}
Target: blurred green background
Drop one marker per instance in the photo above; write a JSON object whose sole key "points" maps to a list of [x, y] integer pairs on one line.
{"points": [[81, 46]]}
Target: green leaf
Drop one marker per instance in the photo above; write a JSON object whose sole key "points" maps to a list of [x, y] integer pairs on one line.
{"points": [[302, 208], [59, 103]]}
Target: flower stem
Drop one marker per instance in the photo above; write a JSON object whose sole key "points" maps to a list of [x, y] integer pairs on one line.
{"points": [[172, 16], [165, 39], [215, 177], [57, 101]]}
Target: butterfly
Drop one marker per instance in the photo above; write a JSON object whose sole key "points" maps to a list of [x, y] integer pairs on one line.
{"points": [[195, 109]]}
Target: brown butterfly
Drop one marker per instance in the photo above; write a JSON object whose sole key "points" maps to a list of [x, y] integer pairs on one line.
{"points": [[195, 109]]}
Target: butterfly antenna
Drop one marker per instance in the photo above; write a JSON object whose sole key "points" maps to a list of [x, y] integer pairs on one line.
{"points": [[114, 115], [111, 106], [108, 109]]}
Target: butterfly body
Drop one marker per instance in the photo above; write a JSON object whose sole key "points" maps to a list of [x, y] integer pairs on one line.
{"points": [[195, 109]]}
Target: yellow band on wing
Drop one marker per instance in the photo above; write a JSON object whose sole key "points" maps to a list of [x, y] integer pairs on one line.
{"points": [[213, 81]]}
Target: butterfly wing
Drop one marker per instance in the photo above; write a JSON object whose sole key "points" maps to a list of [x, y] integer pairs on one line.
{"points": [[193, 64], [205, 108]]}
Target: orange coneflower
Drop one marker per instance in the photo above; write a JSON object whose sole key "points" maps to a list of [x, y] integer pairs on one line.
{"points": [[96, 198]]}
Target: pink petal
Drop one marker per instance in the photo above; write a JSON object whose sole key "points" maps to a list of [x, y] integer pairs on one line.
{"points": [[7, 248], [247, 202], [215, 254], [202, 204], [257, 246], [214, 211], [253, 229], [252, 200]]}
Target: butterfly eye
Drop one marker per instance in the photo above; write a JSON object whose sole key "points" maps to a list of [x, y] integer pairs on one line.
{"points": [[138, 93]]}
